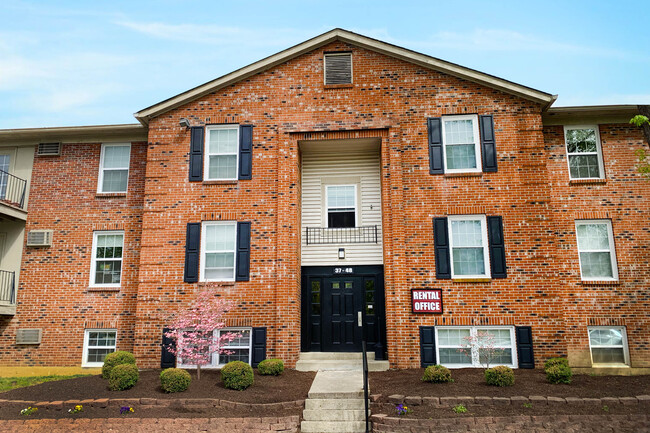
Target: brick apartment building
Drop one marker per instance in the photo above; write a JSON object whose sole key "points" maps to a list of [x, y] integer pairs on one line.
{"points": [[341, 181]]}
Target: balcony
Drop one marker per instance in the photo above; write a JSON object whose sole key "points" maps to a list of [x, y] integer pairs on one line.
{"points": [[342, 235], [7, 293], [12, 190]]}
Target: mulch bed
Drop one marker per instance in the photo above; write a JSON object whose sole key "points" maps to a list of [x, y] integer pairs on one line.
{"points": [[470, 382]]}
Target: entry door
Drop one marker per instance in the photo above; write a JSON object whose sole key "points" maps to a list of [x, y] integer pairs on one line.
{"points": [[342, 302]]}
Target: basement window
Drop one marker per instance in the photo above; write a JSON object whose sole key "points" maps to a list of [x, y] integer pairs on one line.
{"points": [[97, 344], [608, 346], [338, 68]]}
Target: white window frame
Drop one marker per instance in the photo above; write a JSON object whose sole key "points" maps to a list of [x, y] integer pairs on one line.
{"points": [[214, 362], [100, 178], [626, 352], [611, 251], [93, 259], [477, 144], [475, 356], [599, 151], [86, 347], [327, 206], [206, 146], [484, 237], [202, 259], [325, 68]]}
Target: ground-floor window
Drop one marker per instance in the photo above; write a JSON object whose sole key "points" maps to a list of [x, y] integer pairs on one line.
{"points": [[608, 346], [239, 348], [475, 346], [97, 344]]}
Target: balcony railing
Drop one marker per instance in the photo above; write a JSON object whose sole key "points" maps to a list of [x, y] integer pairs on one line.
{"points": [[7, 287], [12, 189], [342, 235]]}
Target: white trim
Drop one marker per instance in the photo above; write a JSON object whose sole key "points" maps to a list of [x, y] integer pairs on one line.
{"points": [[100, 177], [214, 363], [625, 347], [611, 250], [207, 154], [599, 151], [327, 207], [475, 357], [202, 260], [93, 258], [325, 56], [84, 355], [484, 240], [477, 143]]}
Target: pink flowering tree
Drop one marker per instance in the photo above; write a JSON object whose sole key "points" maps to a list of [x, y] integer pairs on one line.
{"points": [[483, 343], [193, 331]]}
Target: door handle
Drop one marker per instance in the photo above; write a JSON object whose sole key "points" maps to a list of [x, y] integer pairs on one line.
{"points": [[359, 319]]}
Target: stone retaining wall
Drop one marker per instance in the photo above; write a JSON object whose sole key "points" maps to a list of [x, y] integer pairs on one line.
{"points": [[453, 401]]}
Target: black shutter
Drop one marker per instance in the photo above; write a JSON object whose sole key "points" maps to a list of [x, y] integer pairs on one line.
{"points": [[243, 251], [435, 145], [427, 346], [192, 250], [259, 346], [196, 153], [441, 247], [488, 144], [245, 151], [497, 247], [167, 359], [525, 346]]}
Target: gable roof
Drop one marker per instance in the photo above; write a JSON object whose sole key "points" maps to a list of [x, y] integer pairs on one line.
{"points": [[355, 39]]}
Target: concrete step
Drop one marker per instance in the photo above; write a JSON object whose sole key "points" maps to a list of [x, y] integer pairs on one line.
{"points": [[337, 384], [333, 356], [334, 403], [334, 415], [333, 426], [337, 365]]}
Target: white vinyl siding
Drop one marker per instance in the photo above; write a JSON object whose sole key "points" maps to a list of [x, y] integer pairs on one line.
{"points": [[584, 152], [608, 346], [114, 168], [596, 253], [360, 168]]}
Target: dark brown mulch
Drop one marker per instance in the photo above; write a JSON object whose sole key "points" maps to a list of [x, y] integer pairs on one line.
{"points": [[470, 382], [291, 385]]}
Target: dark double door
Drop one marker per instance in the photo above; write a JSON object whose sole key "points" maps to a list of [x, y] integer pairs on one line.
{"points": [[340, 307]]}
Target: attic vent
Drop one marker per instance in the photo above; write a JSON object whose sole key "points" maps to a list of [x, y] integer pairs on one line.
{"points": [[39, 238], [28, 336], [49, 149], [338, 68]]}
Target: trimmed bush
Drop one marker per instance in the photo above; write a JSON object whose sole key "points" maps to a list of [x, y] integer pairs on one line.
{"points": [[437, 374], [270, 367], [559, 373], [116, 358], [175, 380], [237, 375], [552, 362], [123, 376], [500, 376]]}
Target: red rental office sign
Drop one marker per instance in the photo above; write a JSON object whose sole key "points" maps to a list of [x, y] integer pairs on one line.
{"points": [[426, 300]]}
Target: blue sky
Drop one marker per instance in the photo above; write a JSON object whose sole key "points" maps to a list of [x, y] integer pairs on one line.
{"points": [[66, 63]]}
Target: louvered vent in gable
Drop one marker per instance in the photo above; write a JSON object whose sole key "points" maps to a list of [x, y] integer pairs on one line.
{"points": [[49, 149], [338, 68], [28, 336]]}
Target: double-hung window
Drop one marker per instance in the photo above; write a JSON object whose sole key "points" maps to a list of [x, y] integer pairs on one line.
{"points": [[341, 206], [461, 143], [596, 251], [584, 152], [106, 263], [238, 349], [608, 345], [470, 257], [218, 250], [114, 168], [475, 346], [222, 152], [97, 344]]}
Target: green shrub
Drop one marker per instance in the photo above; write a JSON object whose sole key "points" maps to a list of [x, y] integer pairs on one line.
{"points": [[175, 380], [270, 367], [500, 376], [116, 358], [123, 376], [552, 362], [437, 374], [237, 375], [559, 374]]}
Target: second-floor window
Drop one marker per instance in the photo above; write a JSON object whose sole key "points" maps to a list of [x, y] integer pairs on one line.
{"points": [[114, 168], [341, 206], [218, 251], [106, 263], [584, 152], [222, 150], [461, 144], [596, 250], [469, 246]]}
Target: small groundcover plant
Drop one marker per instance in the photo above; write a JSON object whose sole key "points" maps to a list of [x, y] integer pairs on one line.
{"points": [[459, 409], [78, 408], [28, 411], [125, 410], [402, 410]]}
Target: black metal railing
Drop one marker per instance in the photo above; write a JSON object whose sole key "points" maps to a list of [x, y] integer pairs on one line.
{"points": [[342, 235], [8, 287], [365, 383], [12, 189]]}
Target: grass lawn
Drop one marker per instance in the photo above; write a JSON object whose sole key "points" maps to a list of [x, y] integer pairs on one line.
{"points": [[9, 383]]}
